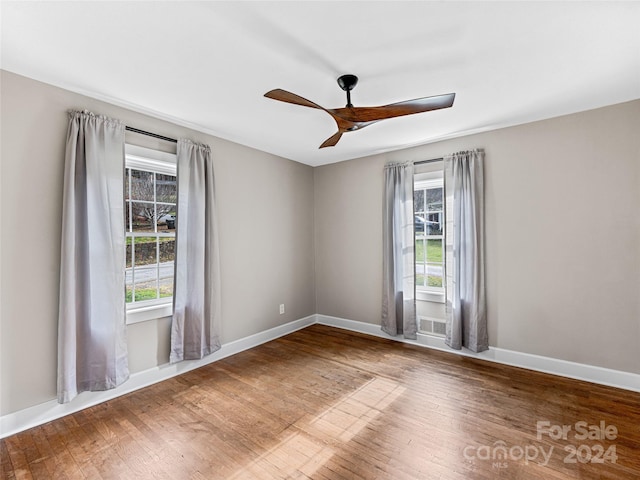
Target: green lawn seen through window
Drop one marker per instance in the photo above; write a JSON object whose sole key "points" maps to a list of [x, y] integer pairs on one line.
{"points": [[433, 250], [432, 281], [143, 294]]}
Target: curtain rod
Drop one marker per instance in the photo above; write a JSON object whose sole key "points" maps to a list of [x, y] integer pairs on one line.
{"points": [[149, 134], [428, 161]]}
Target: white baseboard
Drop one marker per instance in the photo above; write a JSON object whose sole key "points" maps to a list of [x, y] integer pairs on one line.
{"points": [[554, 366], [37, 415], [45, 412]]}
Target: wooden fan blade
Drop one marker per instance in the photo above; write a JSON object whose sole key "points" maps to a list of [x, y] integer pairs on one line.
{"points": [[408, 107], [331, 141], [284, 96]]}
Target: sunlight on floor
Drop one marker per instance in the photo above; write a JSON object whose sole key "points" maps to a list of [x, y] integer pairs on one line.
{"points": [[296, 453], [350, 415], [341, 422]]}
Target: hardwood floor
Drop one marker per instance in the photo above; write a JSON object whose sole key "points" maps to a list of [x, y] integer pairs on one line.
{"points": [[323, 403]]}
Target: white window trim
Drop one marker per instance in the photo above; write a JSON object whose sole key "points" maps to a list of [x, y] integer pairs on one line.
{"points": [[429, 294], [164, 163], [149, 159], [434, 178], [150, 312], [426, 184]]}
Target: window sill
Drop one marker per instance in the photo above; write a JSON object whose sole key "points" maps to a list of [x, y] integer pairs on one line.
{"points": [[430, 296], [152, 312]]}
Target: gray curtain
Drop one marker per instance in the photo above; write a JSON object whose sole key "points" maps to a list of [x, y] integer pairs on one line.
{"points": [[464, 232], [195, 327], [92, 347], [398, 296]]}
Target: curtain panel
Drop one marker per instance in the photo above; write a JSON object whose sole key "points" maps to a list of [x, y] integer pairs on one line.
{"points": [[398, 296], [195, 327], [92, 347], [464, 239]]}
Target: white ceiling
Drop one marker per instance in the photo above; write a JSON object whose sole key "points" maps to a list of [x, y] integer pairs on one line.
{"points": [[207, 64]]}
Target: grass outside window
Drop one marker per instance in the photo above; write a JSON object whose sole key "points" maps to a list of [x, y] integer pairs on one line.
{"points": [[433, 250]]}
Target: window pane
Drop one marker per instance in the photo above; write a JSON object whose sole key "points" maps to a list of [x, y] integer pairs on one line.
{"points": [[434, 250], [166, 287], [143, 215], [434, 280], [166, 188], [126, 183], [142, 185], [434, 223], [129, 242], [150, 200], [420, 252], [128, 279], [146, 283], [167, 249], [127, 216], [419, 225], [166, 266], [166, 217], [434, 199], [429, 222], [145, 251], [418, 201]]}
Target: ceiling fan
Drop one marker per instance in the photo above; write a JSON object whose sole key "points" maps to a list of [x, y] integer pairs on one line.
{"points": [[352, 118]]}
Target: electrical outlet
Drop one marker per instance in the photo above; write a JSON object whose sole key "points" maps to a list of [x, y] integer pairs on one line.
{"points": [[281, 308]]}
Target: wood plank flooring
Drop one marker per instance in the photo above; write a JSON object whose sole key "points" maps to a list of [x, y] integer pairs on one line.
{"points": [[324, 403]]}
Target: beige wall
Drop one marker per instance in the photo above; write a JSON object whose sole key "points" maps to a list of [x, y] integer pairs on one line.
{"points": [[265, 206], [563, 235]]}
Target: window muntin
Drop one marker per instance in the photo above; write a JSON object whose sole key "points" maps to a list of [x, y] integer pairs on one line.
{"points": [[429, 234], [150, 216]]}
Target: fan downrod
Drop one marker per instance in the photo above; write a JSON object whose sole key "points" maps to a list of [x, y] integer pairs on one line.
{"points": [[348, 83]]}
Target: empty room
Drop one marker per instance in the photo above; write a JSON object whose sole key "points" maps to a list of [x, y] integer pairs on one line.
{"points": [[320, 240]]}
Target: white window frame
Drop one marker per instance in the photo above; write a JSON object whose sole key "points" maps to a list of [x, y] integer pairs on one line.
{"points": [[434, 179], [147, 159]]}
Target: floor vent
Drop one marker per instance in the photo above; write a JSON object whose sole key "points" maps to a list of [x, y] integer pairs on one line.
{"points": [[432, 326]]}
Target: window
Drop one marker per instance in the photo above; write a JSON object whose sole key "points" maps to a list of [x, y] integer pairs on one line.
{"points": [[150, 195], [428, 207]]}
